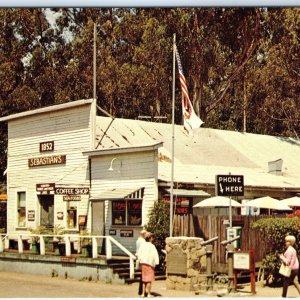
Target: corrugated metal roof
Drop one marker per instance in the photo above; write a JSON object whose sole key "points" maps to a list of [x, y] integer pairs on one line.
{"points": [[208, 152], [116, 193], [188, 193]]}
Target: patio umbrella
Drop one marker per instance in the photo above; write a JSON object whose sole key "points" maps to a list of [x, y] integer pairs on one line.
{"points": [[292, 202], [268, 202], [218, 201]]}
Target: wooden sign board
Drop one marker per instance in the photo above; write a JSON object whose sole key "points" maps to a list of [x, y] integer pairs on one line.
{"points": [[82, 220], [46, 161], [72, 198], [68, 259], [229, 185], [177, 261], [126, 233], [31, 215], [45, 188], [71, 190], [47, 146], [60, 215], [243, 260], [112, 232]]}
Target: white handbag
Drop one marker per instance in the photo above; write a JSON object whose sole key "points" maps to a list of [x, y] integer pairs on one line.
{"points": [[285, 270]]}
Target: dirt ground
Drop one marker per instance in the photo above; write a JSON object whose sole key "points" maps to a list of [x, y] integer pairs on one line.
{"points": [[20, 285]]}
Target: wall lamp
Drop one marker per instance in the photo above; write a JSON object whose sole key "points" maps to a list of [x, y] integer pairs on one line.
{"points": [[111, 164]]}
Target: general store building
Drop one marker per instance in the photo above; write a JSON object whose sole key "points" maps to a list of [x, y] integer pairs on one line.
{"points": [[69, 167]]}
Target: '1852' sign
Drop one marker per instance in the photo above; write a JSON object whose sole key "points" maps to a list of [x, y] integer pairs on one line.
{"points": [[47, 146], [47, 160]]}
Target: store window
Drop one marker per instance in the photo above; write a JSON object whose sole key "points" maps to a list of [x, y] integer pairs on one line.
{"points": [[21, 209], [127, 212]]}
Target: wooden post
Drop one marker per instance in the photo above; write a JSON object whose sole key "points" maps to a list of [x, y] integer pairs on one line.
{"points": [[6, 242], [1, 245], [42, 245], [209, 250], [20, 244], [95, 247], [131, 266], [68, 246], [108, 248], [252, 267]]}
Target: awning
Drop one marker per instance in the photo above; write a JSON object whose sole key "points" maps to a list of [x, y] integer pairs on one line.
{"points": [[188, 193], [120, 193]]}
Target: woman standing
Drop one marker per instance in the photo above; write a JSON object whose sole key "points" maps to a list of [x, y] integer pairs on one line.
{"points": [[290, 258], [148, 257]]}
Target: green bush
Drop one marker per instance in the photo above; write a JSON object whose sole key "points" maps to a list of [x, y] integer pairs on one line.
{"points": [[159, 223], [273, 232]]}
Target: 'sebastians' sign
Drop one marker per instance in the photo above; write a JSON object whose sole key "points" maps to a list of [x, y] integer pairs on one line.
{"points": [[229, 185], [47, 160]]}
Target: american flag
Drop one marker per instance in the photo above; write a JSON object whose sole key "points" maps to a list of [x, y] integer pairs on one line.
{"points": [[190, 119]]}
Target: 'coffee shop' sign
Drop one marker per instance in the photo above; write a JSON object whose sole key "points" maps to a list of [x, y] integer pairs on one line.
{"points": [[71, 190]]}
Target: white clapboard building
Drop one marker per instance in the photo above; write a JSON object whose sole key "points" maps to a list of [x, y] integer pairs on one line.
{"points": [[69, 167], [56, 175]]}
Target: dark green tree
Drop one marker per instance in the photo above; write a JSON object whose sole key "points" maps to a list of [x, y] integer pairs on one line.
{"points": [[159, 223]]}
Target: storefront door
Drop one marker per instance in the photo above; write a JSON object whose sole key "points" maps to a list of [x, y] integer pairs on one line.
{"points": [[47, 210], [98, 218], [98, 227]]}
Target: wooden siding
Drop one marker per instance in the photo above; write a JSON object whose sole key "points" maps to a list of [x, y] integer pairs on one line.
{"points": [[134, 171], [71, 130], [210, 226]]}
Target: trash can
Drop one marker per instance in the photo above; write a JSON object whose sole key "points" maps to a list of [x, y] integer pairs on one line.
{"points": [[232, 233]]}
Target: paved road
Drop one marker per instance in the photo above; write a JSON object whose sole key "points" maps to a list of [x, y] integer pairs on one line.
{"points": [[19, 285]]}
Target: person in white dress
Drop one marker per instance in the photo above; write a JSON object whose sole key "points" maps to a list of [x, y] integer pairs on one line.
{"points": [[148, 258]]}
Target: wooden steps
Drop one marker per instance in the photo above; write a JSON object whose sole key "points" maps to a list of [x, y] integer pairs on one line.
{"points": [[120, 266]]}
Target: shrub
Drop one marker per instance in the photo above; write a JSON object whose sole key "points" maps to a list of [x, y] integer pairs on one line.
{"points": [[273, 231]]}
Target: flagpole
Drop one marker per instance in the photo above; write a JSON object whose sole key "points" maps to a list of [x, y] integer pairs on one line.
{"points": [[94, 63], [173, 138]]}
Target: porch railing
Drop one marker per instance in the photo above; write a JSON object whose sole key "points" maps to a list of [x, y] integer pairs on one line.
{"points": [[67, 239]]}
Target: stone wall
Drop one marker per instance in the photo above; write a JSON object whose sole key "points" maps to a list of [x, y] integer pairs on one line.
{"points": [[186, 263]]}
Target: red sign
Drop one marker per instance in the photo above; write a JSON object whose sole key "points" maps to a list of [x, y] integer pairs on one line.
{"points": [[119, 205], [182, 206]]}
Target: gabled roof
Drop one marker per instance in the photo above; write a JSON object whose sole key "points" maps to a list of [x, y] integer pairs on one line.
{"points": [[47, 109], [208, 152]]}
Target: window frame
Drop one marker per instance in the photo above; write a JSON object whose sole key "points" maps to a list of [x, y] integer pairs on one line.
{"points": [[125, 212], [21, 208]]}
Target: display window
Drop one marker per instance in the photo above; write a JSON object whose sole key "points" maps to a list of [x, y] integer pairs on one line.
{"points": [[127, 212]]}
